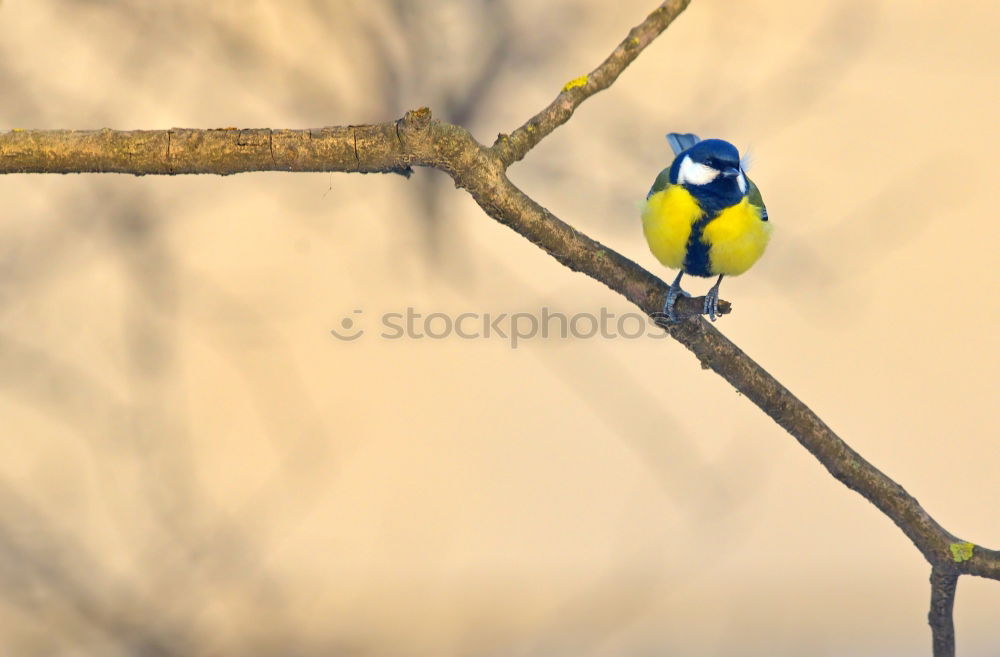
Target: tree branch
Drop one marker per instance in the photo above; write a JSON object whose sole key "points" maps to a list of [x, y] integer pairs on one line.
{"points": [[943, 583], [417, 139], [364, 149]]}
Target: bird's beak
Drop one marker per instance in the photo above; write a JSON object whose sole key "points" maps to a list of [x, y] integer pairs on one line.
{"points": [[731, 172]]}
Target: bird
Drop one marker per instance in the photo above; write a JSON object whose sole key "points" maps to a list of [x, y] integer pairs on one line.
{"points": [[704, 217]]}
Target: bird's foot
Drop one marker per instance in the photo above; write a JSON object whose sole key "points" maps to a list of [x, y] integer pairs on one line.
{"points": [[711, 307], [668, 303]]}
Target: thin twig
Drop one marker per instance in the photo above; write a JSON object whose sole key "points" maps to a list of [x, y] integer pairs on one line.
{"points": [[515, 146]]}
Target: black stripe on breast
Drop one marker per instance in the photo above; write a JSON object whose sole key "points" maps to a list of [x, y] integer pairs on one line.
{"points": [[696, 253]]}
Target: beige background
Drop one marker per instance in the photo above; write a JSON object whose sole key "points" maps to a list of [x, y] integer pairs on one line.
{"points": [[191, 464]]}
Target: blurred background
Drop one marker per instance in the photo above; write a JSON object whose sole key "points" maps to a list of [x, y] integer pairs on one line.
{"points": [[192, 464]]}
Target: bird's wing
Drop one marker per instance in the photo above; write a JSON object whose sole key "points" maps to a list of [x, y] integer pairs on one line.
{"points": [[660, 183], [681, 142], [755, 199]]}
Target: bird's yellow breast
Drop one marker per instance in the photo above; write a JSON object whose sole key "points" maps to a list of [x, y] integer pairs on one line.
{"points": [[735, 238], [666, 221]]}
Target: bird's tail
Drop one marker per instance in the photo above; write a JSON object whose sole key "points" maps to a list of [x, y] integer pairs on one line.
{"points": [[681, 142]]}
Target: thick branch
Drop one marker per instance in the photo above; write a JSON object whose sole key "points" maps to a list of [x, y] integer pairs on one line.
{"points": [[513, 147], [943, 583], [366, 148]]}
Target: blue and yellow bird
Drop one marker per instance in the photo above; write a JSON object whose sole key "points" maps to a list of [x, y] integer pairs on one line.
{"points": [[704, 217]]}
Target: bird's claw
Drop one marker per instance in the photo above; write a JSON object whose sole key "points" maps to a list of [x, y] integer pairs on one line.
{"points": [[711, 307], [668, 303]]}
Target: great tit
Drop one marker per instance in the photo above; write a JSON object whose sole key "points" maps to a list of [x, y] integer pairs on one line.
{"points": [[704, 217]]}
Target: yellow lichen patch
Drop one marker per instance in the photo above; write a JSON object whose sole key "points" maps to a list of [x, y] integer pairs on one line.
{"points": [[576, 82], [961, 551], [420, 114]]}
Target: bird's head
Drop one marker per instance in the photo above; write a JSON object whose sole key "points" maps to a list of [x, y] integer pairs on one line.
{"points": [[711, 171]]}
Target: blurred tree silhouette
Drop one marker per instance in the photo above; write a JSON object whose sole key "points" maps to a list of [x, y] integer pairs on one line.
{"points": [[184, 552]]}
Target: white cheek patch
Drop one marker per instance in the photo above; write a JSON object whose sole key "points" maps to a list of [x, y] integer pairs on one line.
{"points": [[741, 180], [695, 174]]}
